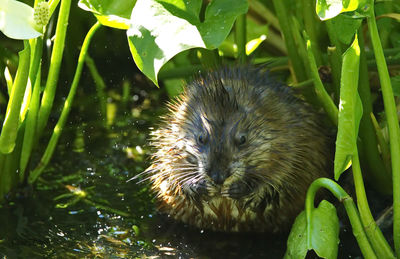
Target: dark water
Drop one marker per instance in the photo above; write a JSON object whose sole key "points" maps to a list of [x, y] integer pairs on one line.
{"points": [[83, 206]]}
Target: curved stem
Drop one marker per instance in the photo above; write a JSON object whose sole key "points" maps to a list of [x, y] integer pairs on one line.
{"points": [[351, 210], [66, 109]]}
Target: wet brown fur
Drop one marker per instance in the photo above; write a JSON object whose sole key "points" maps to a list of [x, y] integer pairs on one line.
{"points": [[237, 152]]}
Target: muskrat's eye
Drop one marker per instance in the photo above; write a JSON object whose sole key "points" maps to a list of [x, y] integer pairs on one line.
{"points": [[201, 139], [241, 139]]}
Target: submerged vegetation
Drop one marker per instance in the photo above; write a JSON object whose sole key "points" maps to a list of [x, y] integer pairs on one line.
{"points": [[343, 57]]}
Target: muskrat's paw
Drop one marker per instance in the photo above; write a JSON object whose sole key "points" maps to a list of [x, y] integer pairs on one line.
{"points": [[262, 200], [237, 190], [195, 191]]}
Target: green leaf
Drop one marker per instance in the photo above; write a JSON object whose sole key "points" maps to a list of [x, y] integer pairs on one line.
{"points": [[161, 29], [346, 27], [297, 240], [110, 13], [325, 233], [327, 9], [350, 110]]}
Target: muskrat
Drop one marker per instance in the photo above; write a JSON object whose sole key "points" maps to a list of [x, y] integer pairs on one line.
{"points": [[237, 152]]}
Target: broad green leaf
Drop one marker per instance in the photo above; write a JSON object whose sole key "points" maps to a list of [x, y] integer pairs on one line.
{"points": [[346, 27], [325, 230], [297, 240], [161, 29], [350, 110], [110, 13], [17, 20], [325, 233], [327, 9]]}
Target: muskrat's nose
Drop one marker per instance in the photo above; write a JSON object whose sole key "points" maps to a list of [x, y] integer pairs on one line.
{"points": [[218, 176]]}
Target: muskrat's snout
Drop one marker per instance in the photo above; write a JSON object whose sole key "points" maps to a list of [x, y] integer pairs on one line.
{"points": [[217, 168], [218, 176]]}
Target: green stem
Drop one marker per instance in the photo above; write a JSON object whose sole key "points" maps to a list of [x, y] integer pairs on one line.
{"points": [[384, 146], [351, 210], [36, 57], [100, 85], [11, 122], [3, 177], [310, 24], [308, 93], [30, 128], [284, 22], [377, 172], [66, 109], [375, 236], [301, 85], [325, 100], [263, 11], [393, 123], [56, 58], [52, 6], [240, 37]]}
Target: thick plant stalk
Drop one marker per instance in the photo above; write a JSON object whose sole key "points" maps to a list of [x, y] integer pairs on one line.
{"points": [[310, 25], [326, 101], [11, 122], [284, 22], [30, 128], [56, 58], [377, 173], [240, 37], [378, 241], [392, 120], [66, 109]]}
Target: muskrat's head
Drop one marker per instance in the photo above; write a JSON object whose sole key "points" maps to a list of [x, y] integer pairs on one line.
{"points": [[232, 132]]}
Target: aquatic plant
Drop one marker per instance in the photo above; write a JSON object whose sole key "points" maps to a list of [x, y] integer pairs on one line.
{"points": [[28, 107]]}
